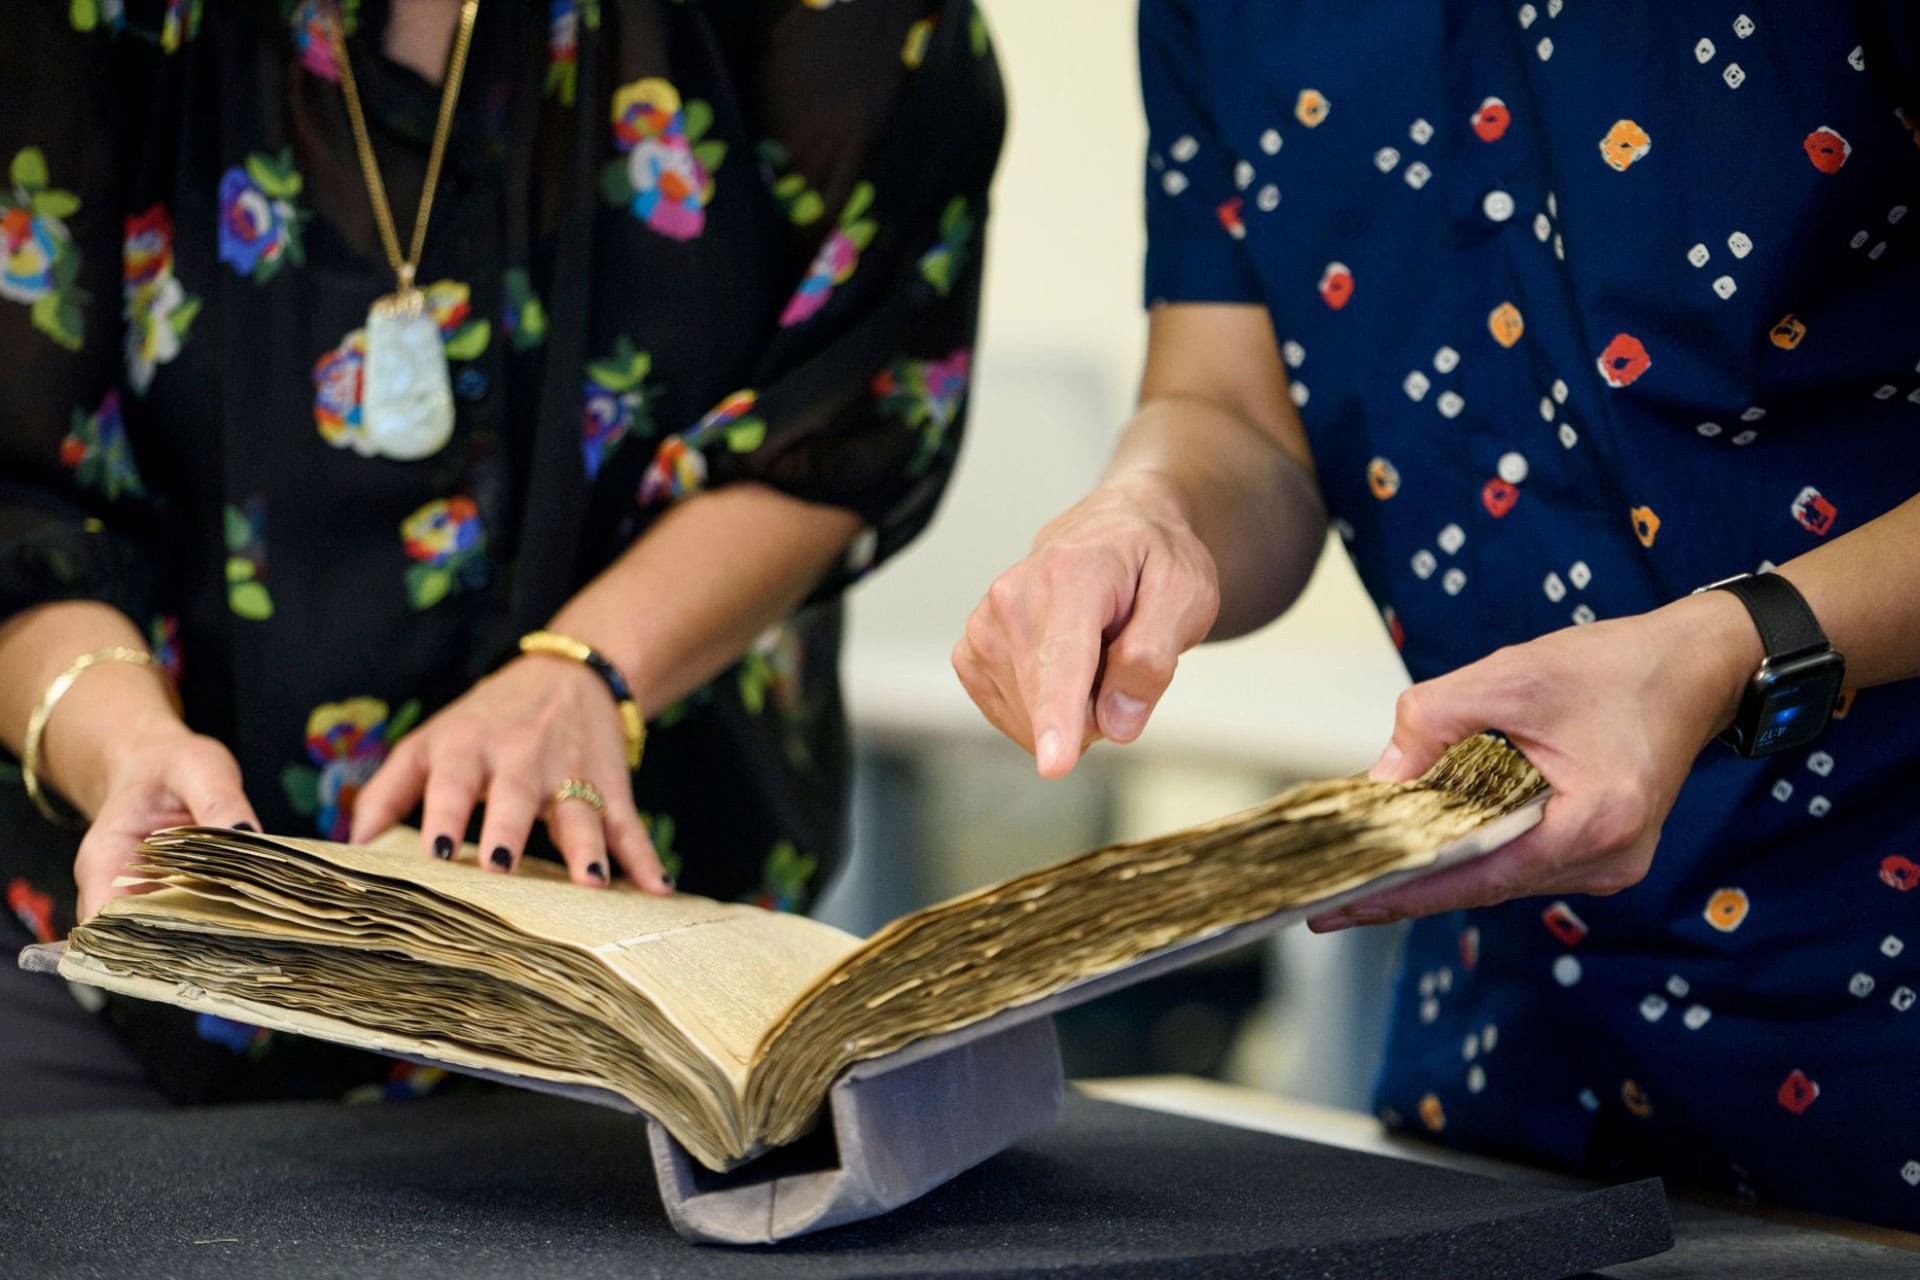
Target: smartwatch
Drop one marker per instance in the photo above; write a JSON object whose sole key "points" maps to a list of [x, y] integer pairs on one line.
{"points": [[1790, 699]]}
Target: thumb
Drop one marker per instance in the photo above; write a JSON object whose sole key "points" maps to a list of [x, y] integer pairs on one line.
{"points": [[1430, 717], [205, 778]]}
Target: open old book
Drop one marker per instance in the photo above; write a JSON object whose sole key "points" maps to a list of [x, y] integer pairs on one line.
{"points": [[728, 1025]]}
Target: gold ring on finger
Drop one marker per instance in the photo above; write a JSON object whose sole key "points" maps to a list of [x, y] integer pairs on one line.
{"points": [[580, 789]]}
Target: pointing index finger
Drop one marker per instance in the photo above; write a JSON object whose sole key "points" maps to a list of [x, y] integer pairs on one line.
{"points": [[1058, 677]]}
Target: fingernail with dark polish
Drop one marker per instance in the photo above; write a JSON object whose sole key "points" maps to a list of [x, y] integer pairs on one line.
{"points": [[443, 848], [244, 826], [596, 873], [502, 857], [669, 881]]}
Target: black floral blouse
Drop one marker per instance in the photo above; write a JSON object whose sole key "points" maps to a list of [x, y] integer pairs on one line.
{"points": [[676, 245]]}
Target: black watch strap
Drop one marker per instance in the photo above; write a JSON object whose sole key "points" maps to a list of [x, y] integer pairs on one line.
{"points": [[1787, 626]]}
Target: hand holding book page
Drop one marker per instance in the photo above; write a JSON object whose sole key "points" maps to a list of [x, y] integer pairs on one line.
{"points": [[727, 1023]]}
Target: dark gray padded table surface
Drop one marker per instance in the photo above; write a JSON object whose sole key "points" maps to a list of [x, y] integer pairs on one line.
{"points": [[516, 1185]]}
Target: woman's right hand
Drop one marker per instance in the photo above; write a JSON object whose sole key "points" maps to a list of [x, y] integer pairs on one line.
{"points": [[1078, 641], [164, 775], [114, 747]]}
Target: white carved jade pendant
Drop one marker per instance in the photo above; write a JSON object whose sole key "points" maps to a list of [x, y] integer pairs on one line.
{"points": [[406, 398]]}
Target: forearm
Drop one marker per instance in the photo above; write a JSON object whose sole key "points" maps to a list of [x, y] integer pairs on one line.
{"points": [[1864, 587], [1253, 504], [109, 703], [688, 598]]}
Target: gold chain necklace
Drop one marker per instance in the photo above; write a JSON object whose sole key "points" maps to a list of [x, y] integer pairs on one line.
{"points": [[406, 404]]}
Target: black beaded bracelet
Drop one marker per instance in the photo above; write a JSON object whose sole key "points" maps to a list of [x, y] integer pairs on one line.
{"points": [[632, 723]]}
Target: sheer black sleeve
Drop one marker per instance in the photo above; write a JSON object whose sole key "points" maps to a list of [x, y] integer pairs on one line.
{"points": [[72, 503], [882, 125]]}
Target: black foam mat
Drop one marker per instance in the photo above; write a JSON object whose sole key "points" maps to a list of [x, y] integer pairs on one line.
{"points": [[514, 1185]]}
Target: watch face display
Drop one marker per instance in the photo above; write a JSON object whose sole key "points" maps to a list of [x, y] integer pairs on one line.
{"points": [[1795, 700]]}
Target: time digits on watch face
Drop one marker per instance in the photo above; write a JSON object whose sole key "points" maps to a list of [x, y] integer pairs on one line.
{"points": [[1788, 703]]}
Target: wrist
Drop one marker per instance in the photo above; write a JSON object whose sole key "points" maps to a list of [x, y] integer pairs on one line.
{"points": [[576, 677], [115, 717], [1714, 649], [584, 619], [1155, 492], [596, 666]]}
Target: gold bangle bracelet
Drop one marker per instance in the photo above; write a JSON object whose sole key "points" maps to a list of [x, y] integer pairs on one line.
{"points": [[633, 724], [37, 726]]}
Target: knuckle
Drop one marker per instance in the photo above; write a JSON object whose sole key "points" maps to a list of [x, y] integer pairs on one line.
{"points": [[1061, 564], [201, 757], [962, 658], [1008, 596], [514, 789], [453, 747], [981, 636], [448, 789], [622, 818], [970, 678], [1147, 661], [1410, 708], [1617, 825], [1205, 597]]}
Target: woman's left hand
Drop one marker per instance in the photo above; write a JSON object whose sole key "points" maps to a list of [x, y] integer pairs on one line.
{"points": [[1612, 714], [509, 744]]}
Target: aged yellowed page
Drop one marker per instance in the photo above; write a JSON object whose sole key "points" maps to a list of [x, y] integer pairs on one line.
{"points": [[659, 999], [959, 962]]}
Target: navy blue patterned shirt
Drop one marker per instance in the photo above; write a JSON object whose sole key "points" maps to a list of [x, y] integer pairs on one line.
{"points": [[1582, 306]]}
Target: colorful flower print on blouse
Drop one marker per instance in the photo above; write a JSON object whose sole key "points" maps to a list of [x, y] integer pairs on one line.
{"points": [[336, 394], [259, 221], [159, 310], [311, 22], [97, 15], [239, 1038], [941, 265], [787, 879], [913, 50], [680, 464], [666, 173], [33, 909], [564, 20], [615, 404], [163, 641], [246, 538], [39, 263], [405, 1081], [834, 264], [925, 395], [448, 547], [179, 24], [772, 673], [791, 191], [96, 451], [452, 306], [347, 743], [338, 374], [523, 317]]}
